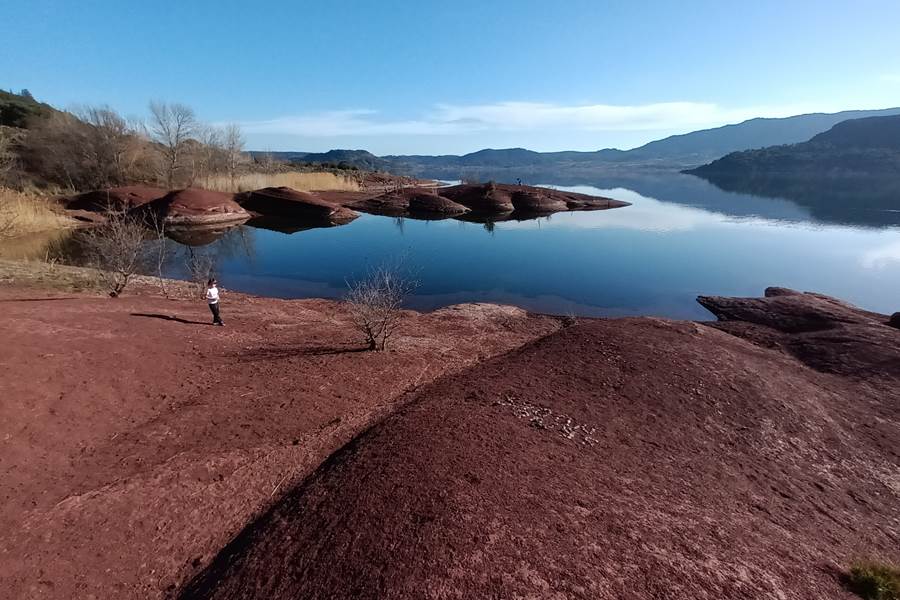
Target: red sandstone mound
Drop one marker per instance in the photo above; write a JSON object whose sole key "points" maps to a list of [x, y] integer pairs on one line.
{"points": [[823, 332], [192, 207], [499, 197], [412, 201], [616, 459], [289, 203], [121, 198], [480, 197]]}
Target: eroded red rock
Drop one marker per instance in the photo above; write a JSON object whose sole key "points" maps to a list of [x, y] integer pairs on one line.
{"points": [[193, 206], [120, 198], [825, 333], [615, 459], [499, 197], [415, 201], [289, 203]]}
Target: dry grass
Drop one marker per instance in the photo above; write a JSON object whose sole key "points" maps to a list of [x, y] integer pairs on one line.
{"points": [[67, 278], [875, 580], [23, 212], [304, 182]]}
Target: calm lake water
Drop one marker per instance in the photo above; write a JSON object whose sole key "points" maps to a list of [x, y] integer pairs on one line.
{"points": [[680, 238]]}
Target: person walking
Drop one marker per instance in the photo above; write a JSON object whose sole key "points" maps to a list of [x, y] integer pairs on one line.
{"points": [[212, 297]]}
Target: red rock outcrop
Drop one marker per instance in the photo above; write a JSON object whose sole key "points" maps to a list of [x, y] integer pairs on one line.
{"points": [[616, 459], [411, 201], [499, 197], [825, 333], [120, 198], [192, 206], [289, 203]]}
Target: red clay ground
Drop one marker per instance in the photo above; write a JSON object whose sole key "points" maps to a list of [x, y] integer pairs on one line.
{"points": [[137, 440], [616, 459]]}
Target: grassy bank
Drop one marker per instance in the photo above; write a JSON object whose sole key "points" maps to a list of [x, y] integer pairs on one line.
{"points": [[23, 212], [304, 182], [67, 278]]}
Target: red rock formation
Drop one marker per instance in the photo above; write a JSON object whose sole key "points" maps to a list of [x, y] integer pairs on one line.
{"points": [[290, 203], [120, 198], [412, 201], [193, 206], [616, 459], [499, 197]]}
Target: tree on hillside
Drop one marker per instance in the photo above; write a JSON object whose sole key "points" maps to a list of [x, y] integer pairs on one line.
{"points": [[52, 150], [208, 156], [171, 126], [7, 156], [93, 148], [109, 139], [234, 147]]}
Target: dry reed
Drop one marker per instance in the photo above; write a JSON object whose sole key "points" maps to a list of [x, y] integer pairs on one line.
{"points": [[304, 182], [25, 212]]}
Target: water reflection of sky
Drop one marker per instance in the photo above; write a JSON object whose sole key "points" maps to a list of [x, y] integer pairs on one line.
{"points": [[653, 257]]}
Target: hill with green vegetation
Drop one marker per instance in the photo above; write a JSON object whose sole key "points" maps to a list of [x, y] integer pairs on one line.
{"points": [[20, 110], [869, 146]]}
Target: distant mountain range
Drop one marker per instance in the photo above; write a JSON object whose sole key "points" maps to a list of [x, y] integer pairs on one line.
{"points": [[677, 151]]}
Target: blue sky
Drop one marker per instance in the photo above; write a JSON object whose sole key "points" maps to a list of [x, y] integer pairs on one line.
{"points": [[454, 76]]}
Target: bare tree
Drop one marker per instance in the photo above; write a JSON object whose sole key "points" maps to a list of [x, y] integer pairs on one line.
{"points": [[234, 147], [95, 148], [116, 249], [213, 140], [108, 139], [375, 303], [171, 126], [161, 252], [52, 149], [200, 266]]}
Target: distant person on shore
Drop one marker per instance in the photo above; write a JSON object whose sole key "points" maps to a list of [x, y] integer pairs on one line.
{"points": [[212, 298]]}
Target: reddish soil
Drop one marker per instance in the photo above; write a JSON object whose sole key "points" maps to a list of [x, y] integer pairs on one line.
{"points": [[289, 203], [137, 439], [629, 458], [121, 198]]}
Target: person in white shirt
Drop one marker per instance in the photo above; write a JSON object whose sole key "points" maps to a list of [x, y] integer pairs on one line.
{"points": [[212, 297]]}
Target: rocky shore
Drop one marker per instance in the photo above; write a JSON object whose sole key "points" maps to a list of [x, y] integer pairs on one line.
{"points": [[492, 453], [193, 206]]}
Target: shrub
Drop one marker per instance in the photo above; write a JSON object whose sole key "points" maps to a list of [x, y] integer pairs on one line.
{"points": [[874, 580], [116, 250], [375, 304]]}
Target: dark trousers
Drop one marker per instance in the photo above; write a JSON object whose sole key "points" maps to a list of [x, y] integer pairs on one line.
{"points": [[214, 308]]}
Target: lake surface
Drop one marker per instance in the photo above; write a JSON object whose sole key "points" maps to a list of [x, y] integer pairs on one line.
{"points": [[681, 237]]}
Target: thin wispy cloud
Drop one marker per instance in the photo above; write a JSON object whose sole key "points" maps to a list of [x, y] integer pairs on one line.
{"points": [[449, 119]]}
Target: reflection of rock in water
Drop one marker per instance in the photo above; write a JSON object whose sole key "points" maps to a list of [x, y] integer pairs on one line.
{"points": [[291, 225], [198, 236], [513, 215], [845, 200]]}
